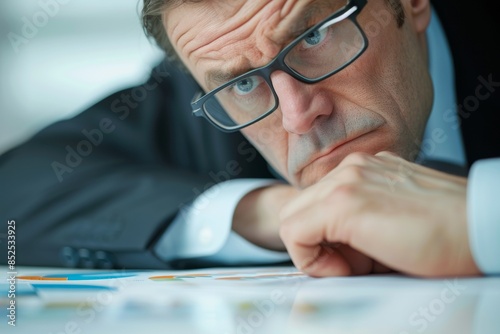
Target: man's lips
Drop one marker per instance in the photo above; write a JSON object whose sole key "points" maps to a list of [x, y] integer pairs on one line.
{"points": [[329, 140], [336, 146]]}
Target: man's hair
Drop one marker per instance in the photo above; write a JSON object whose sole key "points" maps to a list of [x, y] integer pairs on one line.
{"points": [[153, 25]]}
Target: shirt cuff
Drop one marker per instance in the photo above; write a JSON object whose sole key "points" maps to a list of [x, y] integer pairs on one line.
{"points": [[203, 229], [483, 214], [239, 251]]}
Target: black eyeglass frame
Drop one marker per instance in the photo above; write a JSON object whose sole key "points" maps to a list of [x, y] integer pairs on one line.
{"points": [[278, 63]]}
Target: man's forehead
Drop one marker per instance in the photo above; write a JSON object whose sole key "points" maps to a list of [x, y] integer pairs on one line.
{"points": [[291, 11], [294, 17]]}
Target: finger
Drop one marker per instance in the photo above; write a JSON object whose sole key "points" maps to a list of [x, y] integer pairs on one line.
{"points": [[409, 165], [360, 263], [303, 200], [388, 154], [351, 174], [306, 239], [357, 159], [322, 260], [345, 217], [398, 171], [379, 268]]}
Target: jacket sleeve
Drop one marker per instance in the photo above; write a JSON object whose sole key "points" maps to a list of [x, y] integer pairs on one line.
{"points": [[97, 190]]}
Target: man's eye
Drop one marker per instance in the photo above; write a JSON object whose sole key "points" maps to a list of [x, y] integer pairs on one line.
{"points": [[247, 85], [314, 38]]}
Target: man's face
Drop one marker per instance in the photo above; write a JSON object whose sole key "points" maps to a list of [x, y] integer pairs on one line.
{"points": [[379, 102]]}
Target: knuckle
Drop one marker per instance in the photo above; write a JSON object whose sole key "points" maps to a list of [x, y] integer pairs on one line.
{"points": [[358, 158], [344, 192], [386, 154], [353, 173], [285, 229]]}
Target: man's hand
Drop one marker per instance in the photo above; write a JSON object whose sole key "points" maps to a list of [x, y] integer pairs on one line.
{"points": [[404, 216]]}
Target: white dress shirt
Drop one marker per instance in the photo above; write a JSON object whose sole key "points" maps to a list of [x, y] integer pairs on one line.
{"points": [[204, 229]]}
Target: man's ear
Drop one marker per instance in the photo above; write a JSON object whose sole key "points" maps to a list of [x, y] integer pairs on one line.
{"points": [[420, 12]]}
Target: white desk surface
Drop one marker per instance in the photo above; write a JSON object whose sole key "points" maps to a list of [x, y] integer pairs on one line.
{"points": [[245, 300]]}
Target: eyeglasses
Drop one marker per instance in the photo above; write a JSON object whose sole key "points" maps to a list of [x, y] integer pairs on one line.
{"points": [[320, 52]]}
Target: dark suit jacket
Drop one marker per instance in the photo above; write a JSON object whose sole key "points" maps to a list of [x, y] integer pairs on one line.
{"points": [[98, 190]]}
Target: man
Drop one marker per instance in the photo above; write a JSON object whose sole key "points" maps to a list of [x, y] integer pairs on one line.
{"points": [[367, 101], [350, 83]]}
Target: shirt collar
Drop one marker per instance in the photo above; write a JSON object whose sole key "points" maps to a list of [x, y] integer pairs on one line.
{"points": [[442, 138]]}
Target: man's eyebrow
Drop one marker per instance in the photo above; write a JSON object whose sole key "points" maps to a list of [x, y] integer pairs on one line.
{"points": [[215, 78], [302, 23], [308, 18]]}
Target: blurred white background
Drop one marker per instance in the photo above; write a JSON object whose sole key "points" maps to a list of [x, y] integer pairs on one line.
{"points": [[58, 57]]}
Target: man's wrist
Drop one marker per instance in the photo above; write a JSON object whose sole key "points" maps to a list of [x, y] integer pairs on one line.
{"points": [[256, 217]]}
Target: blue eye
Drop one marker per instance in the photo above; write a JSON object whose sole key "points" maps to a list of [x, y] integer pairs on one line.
{"points": [[314, 38], [247, 85]]}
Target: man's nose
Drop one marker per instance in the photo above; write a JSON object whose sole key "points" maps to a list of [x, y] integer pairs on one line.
{"points": [[301, 104]]}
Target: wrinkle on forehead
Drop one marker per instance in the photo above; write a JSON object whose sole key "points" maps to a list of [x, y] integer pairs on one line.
{"points": [[215, 18], [196, 25], [295, 19], [236, 36]]}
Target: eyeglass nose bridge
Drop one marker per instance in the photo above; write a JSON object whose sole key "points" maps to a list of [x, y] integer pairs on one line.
{"points": [[278, 64]]}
